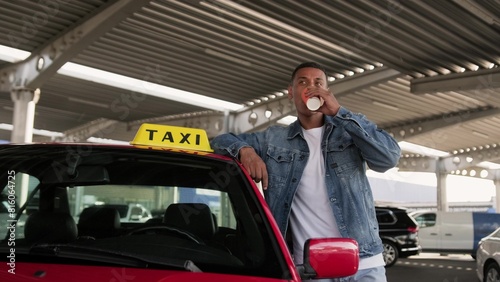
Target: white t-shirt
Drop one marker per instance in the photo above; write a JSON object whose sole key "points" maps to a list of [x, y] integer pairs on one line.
{"points": [[316, 220]]}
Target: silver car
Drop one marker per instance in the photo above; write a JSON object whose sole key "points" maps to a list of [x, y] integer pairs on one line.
{"points": [[488, 258]]}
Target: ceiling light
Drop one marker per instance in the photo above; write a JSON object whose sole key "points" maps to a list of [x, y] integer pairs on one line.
{"points": [[387, 106], [12, 55], [41, 132], [146, 87], [417, 149]]}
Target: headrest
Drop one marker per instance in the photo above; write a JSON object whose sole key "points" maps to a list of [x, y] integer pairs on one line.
{"points": [[193, 217], [98, 221], [50, 227]]}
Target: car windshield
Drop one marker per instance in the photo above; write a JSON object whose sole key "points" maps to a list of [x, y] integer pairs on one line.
{"points": [[187, 208]]}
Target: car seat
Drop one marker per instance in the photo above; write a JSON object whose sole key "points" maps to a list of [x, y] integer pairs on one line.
{"points": [[99, 222], [195, 218], [49, 228]]}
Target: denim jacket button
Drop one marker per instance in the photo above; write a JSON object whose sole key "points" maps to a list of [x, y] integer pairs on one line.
{"points": [[332, 200], [294, 180]]}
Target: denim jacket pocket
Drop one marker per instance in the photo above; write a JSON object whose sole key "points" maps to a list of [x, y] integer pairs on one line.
{"points": [[344, 157], [279, 162]]}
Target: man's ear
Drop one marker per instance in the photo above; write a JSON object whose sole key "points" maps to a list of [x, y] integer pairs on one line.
{"points": [[290, 93]]}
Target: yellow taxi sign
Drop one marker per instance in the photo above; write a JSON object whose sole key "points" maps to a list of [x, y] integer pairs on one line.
{"points": [[168, 136]]}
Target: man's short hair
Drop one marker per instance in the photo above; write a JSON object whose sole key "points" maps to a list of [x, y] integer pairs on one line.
{"points": [[308, 65]]}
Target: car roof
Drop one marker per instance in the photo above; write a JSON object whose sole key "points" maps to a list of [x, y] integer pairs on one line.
{"points": [[391, 208]]}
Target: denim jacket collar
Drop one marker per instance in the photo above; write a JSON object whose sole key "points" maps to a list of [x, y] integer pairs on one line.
{"points": [[296, 129]]}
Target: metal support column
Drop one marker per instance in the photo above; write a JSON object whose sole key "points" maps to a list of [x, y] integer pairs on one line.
{"points": [[497, 194], [442, 201], [24, 114]]}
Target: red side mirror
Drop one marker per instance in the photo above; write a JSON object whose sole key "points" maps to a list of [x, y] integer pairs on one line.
{"points": [[330, 258]]}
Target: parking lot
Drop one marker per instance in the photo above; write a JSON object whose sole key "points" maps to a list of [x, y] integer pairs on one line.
{"points": [[430, 267]]}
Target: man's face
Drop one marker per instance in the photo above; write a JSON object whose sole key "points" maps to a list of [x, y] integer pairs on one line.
{"points": [[305, 78]]}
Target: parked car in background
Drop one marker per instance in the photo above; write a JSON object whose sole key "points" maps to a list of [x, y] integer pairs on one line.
{"points": [[488, 257], [454, 232], [216, 225], [399, 233]]}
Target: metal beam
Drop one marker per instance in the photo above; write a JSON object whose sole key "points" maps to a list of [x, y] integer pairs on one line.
{"points": [[214, 122], [267, 113], [472, 157], [470, 80], [417, 163], [464, 163], [403, 132], [367, 79], [261, 115], [42, 64], [98, 127], [211, 121]]}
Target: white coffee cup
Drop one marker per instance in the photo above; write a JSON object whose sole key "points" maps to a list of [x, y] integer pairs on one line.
{"points": [[314, 103]]}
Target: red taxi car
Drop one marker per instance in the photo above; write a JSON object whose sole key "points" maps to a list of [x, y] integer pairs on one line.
{"points": [[216, 226]]}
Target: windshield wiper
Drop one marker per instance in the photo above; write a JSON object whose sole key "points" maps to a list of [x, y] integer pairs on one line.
{"points": [[108, 256]]}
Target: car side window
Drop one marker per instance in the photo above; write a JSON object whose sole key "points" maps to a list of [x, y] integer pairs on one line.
{"points": [[426, 220], [385, 217]]}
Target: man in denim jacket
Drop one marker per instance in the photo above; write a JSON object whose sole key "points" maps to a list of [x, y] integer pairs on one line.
{"points": [[313, 171]]}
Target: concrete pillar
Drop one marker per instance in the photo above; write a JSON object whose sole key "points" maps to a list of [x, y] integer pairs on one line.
{"points": [[442, 200], [24, 114], [497, 195], [22, 131]]}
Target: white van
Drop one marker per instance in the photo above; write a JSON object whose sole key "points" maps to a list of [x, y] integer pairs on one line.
{"points": [[453, 232]]}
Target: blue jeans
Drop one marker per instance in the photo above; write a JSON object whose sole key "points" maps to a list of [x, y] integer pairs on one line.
{"points": [[376, 274]]}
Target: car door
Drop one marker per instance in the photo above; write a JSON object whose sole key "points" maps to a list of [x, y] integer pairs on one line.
{"points": [[457, 231], [428, 232]]}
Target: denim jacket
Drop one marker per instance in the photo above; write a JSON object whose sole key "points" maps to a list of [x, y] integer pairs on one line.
{"points": [[349, 143]]}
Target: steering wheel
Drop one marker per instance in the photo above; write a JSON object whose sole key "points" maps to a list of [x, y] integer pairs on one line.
{"points": [[170, 229]]}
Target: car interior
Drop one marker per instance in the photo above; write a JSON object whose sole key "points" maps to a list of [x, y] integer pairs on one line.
{"points": [[210, 214]]}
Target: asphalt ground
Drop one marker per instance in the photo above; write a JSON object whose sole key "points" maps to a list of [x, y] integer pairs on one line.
{"points": [[431, 267]]}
